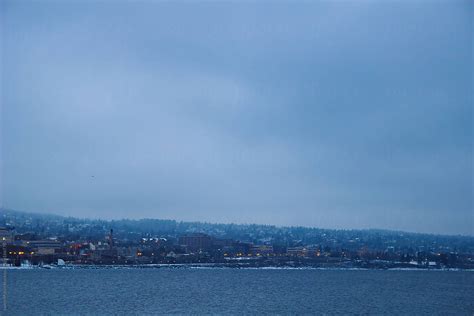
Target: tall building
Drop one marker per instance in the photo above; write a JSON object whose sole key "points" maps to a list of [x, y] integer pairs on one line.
{"points": [[196, 242]]}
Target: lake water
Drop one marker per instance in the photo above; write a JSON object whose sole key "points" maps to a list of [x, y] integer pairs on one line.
{"points": [[238, 291]]}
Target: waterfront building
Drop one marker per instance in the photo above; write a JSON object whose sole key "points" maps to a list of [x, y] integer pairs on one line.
{"points": [[261, 250], [196, 242], [44, 247]]}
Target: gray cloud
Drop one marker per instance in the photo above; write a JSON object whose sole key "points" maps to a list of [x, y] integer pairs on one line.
{"points": [[323, 114]]}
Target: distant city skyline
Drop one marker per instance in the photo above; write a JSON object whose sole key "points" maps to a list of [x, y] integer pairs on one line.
{"points": [[345, 115]]}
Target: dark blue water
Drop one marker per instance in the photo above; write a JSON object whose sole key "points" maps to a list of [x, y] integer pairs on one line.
{"points": [[238, 291]]}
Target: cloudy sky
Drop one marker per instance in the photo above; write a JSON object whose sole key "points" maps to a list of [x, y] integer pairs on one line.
{"points": [[329, 114]]}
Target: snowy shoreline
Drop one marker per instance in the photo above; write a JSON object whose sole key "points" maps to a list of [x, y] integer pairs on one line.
{"points": [[213, 266]]}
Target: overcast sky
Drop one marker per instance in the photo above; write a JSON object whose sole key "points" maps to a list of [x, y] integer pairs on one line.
{"points": [[328, 114]]}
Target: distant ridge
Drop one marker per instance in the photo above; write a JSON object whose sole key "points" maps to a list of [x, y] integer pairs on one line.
{"points": [[155, 224]]}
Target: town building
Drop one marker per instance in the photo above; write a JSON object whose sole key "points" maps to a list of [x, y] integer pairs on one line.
{"points": [[196, 242]]}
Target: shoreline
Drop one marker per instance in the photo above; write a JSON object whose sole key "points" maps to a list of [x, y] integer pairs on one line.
{"points": [[216, 267]]}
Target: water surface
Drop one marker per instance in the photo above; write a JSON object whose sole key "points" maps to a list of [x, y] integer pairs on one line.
{"points": [[238, 291]]}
